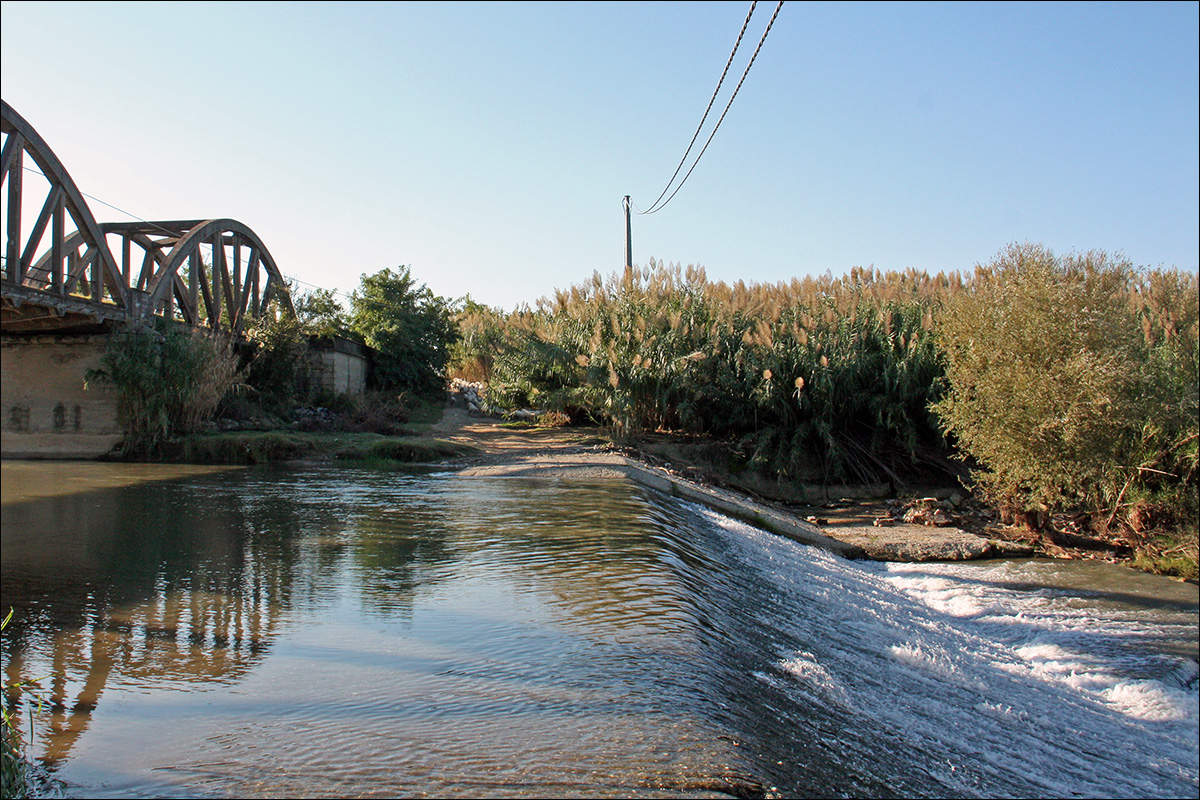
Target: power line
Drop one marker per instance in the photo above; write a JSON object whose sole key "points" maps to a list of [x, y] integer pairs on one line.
{"points": [[110, 205], [170, 232], [657, 207], [337, 292], [711, 100]]}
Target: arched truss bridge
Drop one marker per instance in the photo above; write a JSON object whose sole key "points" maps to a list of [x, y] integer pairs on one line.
{"points": [[63, 271]]}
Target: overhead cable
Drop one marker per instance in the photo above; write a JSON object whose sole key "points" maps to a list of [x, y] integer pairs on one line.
{"points": [[170, 232], [346, 295], [711, 100], [110, 205], [659, 207]]}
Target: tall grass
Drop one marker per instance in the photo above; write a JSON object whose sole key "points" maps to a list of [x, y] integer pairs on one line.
{"points": [[16, 770], [818, 378], [169, 379], [1065, 385]]}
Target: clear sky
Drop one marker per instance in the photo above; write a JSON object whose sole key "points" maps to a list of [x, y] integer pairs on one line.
{"points": [[488, 146]]}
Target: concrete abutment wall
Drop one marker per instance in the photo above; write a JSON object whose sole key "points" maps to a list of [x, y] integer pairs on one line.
{"points": [[45, 409], [337, 366]]}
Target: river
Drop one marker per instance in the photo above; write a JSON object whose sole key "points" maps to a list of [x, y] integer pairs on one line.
{"points": [[255, 632]]}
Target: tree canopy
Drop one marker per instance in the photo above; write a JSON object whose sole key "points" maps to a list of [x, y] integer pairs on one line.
{"points": [[410, 328]]}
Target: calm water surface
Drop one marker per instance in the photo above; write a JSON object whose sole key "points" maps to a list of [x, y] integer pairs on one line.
{"points": [[333, 632]]}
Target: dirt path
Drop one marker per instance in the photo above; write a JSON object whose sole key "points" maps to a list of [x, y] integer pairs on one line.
{"points": [[583, 453], [496, 441]]}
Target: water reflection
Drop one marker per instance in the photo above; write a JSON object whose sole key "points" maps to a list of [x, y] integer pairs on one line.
{"points": [[188, 581], [145, 585], [330, 631]]}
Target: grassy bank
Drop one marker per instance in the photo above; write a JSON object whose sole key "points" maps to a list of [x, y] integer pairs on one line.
{"points": [[274, 447]]}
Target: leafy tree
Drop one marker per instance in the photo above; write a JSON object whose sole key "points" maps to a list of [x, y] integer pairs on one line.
{"points": [[1053, 388], [320, 314], [410, 328], [480, 337], [278, 356]]}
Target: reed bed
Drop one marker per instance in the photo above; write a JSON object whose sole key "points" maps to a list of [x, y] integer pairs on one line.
{"points": [[876, 377], [817, 378]]}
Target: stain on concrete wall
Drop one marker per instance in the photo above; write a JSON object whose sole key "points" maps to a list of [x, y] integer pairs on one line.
{"points": [[48, 409]]}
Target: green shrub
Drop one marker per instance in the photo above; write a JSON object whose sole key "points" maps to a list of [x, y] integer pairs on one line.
{"points": [[320, 313], [169, 379], [259, 447], [480, 336], [1059, 392], [278, 357], [409, 328], [409, 450]]}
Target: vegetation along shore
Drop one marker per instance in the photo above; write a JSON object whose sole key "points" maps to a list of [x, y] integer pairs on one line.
{"points": [[1038, 405], [1044, 404]]}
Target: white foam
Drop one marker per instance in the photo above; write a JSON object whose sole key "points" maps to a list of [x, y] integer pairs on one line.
{"points": [[1041, 690], [930, 660], [804, 666], [1150, 700]]}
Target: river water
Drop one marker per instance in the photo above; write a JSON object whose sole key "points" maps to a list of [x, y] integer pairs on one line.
{"points": [[349, 632]]}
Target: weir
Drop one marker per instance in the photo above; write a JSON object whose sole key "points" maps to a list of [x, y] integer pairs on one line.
{"points": [[550, 637]]}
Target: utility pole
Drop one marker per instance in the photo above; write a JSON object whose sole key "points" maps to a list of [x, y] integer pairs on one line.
{"points": [[628, 235]]}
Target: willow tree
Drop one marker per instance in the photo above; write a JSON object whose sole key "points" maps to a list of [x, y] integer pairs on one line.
{"points": [[1056, 388]]}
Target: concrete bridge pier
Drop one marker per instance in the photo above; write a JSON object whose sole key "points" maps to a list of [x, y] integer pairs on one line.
{"points": [[45, 411]]}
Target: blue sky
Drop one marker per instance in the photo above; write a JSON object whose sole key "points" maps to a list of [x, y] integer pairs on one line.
{"points": [[488, 146]]}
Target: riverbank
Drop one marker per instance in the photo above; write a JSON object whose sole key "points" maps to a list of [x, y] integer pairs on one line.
{"points": [[929, 523], [862, 527], [925, 523]]}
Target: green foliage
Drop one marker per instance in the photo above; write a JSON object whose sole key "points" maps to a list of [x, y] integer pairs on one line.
{"points": [[1167, 307], [409, 327], [408, 450], [275, 447], [252, 447], [278, 357], [320, 314], [169, 379], [15, 767], [13, 780], [1179, 561], [1067, 393], [480, 337], [1072, 382], [821, 378]]}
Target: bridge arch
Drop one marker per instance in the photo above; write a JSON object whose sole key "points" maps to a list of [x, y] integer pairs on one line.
{"points": [[73, 261], [215, 272], [62, 272]]}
